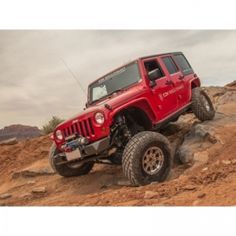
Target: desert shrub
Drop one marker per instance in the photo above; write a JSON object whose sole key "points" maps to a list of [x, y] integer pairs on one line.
{"points": [[51, 125]]}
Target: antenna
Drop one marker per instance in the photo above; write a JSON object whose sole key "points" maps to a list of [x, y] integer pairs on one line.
{"points": [[73, 75]]}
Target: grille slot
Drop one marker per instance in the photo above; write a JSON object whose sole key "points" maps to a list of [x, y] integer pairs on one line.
{"points": [[68, 131], [81, 129], [91, 126], [76, 128], [86, 127], [72, 129]]}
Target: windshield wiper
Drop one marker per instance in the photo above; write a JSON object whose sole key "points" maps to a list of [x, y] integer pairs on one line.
{"points": [[96, 100], [108, 95], [116, 91]]}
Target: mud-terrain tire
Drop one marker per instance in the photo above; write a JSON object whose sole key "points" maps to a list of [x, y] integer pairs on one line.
{"points": [[147, 158], [202, 106], [65, 169]]}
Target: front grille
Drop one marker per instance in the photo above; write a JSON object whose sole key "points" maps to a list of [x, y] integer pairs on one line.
{"points": [[83, 128]]}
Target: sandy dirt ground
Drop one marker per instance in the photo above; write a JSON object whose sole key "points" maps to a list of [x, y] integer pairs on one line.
{"points": [[209, 179]]}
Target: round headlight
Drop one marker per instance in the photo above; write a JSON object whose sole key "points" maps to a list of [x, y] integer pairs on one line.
{"points": [[99, 118], [59, 135]]}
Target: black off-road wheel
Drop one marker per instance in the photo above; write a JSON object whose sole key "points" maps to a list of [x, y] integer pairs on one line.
{"points": [[68, 170], [202, 106], [147, 158]]}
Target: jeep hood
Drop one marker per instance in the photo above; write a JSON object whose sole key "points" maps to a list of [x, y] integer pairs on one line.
{"points": [[115, 100]]}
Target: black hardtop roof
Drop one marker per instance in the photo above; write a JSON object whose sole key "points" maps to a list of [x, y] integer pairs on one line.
{"points": [[162, 54]]}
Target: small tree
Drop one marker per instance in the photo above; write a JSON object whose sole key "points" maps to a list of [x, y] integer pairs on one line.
{"points": [[51, 125]]}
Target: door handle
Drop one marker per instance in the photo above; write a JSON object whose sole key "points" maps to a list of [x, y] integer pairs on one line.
{"points": [[181, 77], [169, 82]]}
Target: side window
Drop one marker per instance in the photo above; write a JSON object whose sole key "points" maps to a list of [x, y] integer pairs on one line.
{"points": [[152, 65], [183, 63], [170, 65]]}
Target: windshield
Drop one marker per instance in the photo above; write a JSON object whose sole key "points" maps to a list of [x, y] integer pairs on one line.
{"points": [[114, 81]]}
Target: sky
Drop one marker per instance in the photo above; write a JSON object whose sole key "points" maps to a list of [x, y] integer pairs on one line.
{"points": [[38, 68]]}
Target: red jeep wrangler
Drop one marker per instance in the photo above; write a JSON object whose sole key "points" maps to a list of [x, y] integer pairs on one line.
{"points": [[124, 112]]}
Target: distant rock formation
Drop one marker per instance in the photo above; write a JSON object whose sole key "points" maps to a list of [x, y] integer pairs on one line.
{"points": [[20, 132]]}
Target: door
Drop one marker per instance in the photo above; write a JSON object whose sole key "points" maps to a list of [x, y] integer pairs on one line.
{"points": [[175, 81], [164, 101], [187, 74]]}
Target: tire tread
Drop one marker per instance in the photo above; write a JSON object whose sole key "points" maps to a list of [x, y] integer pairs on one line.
{"points": [[130, 161], [198, 107]]}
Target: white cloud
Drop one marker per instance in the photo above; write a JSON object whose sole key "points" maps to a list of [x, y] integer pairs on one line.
{"points": [[35, 84]]}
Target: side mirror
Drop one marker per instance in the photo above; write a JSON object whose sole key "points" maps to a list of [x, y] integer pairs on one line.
{"points": [[154, 74]]}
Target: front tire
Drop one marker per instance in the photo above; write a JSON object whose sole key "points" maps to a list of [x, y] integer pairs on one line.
{"points": [[202, 106], [68, 170], [147, 158]]}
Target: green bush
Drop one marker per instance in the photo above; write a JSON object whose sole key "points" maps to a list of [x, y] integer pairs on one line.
{"points": [[51, 125]]}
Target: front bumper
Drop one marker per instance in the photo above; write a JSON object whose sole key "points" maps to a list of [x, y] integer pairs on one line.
{"points": [[87, 151], [97, 147]]}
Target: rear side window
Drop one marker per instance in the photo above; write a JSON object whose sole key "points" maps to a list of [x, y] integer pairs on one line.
{"points": [[183, 63], [170, 65]]}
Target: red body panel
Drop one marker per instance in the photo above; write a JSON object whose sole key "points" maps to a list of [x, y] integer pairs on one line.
{"points": [[169, 95]]}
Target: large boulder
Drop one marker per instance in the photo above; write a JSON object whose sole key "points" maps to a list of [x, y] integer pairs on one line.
{"points": [[200, 137]]}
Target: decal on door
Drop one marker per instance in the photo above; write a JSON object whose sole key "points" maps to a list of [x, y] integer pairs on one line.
{"points": [[174, 90]]}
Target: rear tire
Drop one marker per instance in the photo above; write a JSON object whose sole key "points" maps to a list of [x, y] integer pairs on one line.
{"points": [[67, 170], [202, 106], [147, 158]]}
